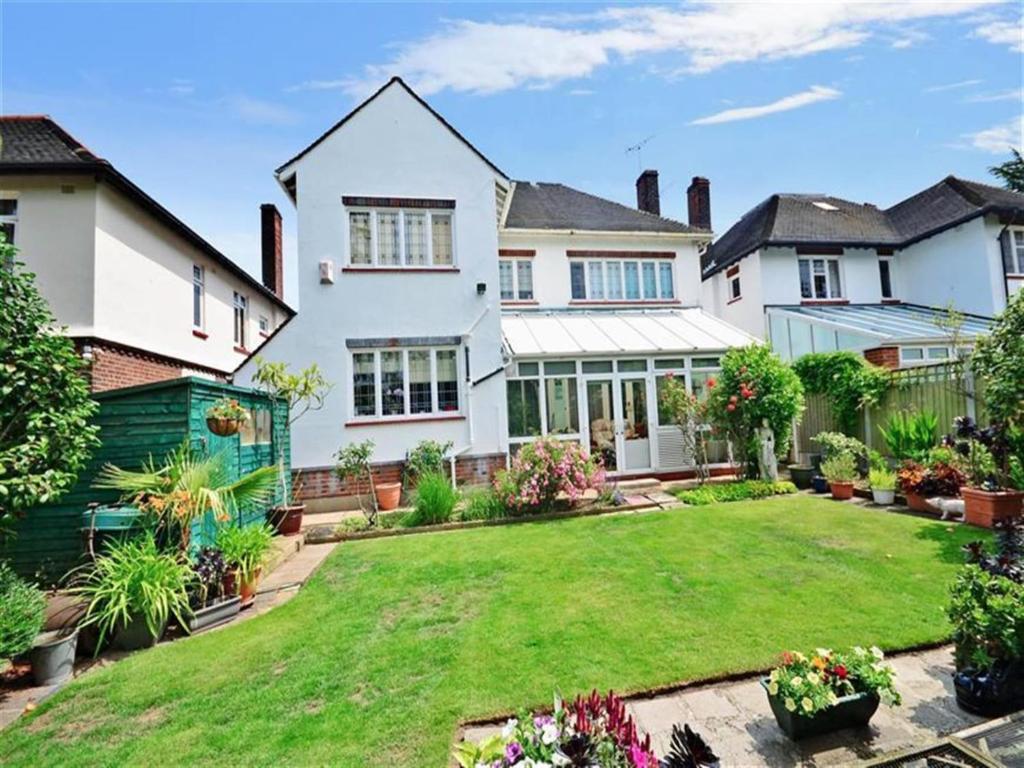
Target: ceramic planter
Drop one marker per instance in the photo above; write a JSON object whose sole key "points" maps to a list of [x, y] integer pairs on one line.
{"points": [[223, 427], [136, 635], [287, 521], [841, 491], [388, 496], [883, 497], [983, 508], [819, 484], [214, 615], [801, 475], [852, 711], [246, 591], [53, 657], [991, 692]]}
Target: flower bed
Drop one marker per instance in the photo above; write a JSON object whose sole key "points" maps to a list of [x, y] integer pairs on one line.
{"points": [[712, 493]]}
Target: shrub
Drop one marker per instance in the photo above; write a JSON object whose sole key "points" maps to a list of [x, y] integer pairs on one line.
{"points": [[847, 380], [754, 387], [481, 504], [834, 443], [910, 435], [938, 479], [544, 469], [245, 548], [841, 468], [22, 609], [998, 360], [428, 457], [713, 493], [811, 683], [435, 500], [882, 479], [134, 580]]}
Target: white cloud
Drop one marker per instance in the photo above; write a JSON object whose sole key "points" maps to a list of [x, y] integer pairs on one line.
{"points": [[952, 86], [1014, 94], [999, 138], [487, 57], [262, 112], [1004, 32], [812, 95], [581, 92], [319, 85]]}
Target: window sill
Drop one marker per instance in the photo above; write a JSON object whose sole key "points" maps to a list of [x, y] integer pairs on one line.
{"points": [[822, 302], [1015, 276], [519, 303], [425, 419], [241, 350], [626, 302], [734, 300], [200, 334], [892, 301], [264, 334], [400, 270]]}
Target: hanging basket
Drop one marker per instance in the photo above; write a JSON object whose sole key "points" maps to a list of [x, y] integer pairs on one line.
{"points": [[223, 427]]}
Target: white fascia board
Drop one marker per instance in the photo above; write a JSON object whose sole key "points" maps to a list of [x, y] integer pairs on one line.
{"points": [[602, 233]]}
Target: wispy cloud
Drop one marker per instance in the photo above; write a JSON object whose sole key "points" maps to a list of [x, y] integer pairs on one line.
{"points": [[812, 95], [319, 85], [1014, 94], [581, 92], [1004, 32], [260, 112], [952, 86], [999, 138], [538, 51]]}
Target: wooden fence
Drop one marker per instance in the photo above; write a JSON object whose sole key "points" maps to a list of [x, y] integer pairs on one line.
{"points": [[944, 389]]}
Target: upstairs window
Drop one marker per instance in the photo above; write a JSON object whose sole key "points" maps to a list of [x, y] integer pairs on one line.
{"points": [[394, 238], [1013, 252], [264, 324], [516, 279], [819, 278], [733, 276], [621, 280], [198, 296], [885, 277], [241, 310], [8, 218]]}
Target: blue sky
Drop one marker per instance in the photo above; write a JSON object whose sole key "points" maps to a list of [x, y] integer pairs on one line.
{"points": [[199, 103]]}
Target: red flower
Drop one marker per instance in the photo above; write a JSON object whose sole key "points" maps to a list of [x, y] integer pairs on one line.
{"points": [[839, 671], [733, 399], [730, 407], [711, 383]]}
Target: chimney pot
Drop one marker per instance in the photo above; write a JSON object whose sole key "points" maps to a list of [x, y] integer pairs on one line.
{"points": [[647, 197], [698, 203], [273, 255]]}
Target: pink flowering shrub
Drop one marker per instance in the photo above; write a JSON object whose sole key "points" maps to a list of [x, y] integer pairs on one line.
{"points": [[544, 469]]}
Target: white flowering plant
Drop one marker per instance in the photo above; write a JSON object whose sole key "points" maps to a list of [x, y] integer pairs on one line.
{"points": [[810, 683]]}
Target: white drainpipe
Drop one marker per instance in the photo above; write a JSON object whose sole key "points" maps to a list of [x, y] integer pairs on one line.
{"points": [[469, 397]]}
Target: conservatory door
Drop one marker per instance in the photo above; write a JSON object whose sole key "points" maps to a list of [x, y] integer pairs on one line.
{"points": [[601, 420], [634, 426]]}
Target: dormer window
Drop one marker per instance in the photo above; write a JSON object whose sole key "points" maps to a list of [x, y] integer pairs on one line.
{"points": [[400, 233], [819, 278]]}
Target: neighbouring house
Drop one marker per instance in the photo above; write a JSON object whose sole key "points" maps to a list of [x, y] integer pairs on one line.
{"points": [[449, 302], [815, 273], [144, 296]]}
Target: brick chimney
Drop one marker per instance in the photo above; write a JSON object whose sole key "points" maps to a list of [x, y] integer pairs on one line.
{"points": [[273, 256], [698, 203], [647, 197]]}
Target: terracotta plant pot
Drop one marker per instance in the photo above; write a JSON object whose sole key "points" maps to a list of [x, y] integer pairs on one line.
{"points": [[983, 508], [223, 427], [287, 520], [841, 491], [246, 590], [388, 496], [917, 502]]}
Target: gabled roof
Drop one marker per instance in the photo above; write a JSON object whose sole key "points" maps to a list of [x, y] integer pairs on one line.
{"points": [[36, 144], [394, 81], [794, 220], [540, 205]]}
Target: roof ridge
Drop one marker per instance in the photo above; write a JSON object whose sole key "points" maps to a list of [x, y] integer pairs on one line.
{"points": [[640, 211]]}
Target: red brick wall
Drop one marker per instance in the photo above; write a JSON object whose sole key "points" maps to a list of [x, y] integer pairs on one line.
{"points": [[322, 482], [887, 357], [113, 367]]}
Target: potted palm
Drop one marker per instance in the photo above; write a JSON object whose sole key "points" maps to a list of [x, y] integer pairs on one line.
{"points": [[132, 591], [883, 486], [210, 606], [826, 691], [841, 472], [244, 549], [303, 392], [176, 493], [225, 417]]}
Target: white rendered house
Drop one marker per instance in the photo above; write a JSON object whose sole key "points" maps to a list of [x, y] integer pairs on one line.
{"points": [[447, 302], [144, 297], [815, 273]]}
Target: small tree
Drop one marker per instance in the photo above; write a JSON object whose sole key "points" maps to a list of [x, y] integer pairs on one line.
{"points": [[45, 408], [689, 414], [353, 466], [303, 392], [754, 388], [1011, 172]]}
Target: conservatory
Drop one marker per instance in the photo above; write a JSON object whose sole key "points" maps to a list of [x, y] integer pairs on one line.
{"points": [[594, 377]]}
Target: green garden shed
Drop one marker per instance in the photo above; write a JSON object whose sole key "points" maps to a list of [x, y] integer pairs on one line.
{"points": [[136, 423]]}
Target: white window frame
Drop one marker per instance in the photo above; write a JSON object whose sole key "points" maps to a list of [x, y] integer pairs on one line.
{"points": [[892, 277], [517, 295], [199, 280], [589, 271], [10, 218], [929, 354], [1016, 235], [374, 213], [264, 325], [240, 302], [435, 411], [810, 259]]}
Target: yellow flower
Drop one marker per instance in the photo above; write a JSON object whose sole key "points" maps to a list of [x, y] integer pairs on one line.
{"points": [[797, 681], [773, 688], [813, 678], [790, 704], [807, 704], [774, 675], [877, 652], [818, 662]]}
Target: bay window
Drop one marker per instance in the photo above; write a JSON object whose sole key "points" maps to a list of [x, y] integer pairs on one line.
{"points": [[618, 280], [819, 278], [394, 383], [395, 237]]}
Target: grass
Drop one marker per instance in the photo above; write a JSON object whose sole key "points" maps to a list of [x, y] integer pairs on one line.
{"points": [[395, 641], [742, 490]]}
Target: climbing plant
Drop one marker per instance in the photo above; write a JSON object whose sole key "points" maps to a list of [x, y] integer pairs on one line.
{"points": [[847, 380]]}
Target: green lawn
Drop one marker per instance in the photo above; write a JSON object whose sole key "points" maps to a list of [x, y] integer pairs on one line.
{"points": [[395, 640]]}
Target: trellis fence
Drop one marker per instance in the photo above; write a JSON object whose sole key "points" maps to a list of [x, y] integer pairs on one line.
{"points": [[945, 389]]}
